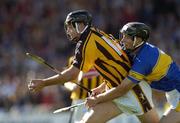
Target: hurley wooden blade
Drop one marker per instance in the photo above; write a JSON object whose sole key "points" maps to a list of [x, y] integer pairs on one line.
{"points": [[35, 58], [68, 108]]}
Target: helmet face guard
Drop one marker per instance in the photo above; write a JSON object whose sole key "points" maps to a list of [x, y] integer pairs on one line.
{"points": [[134, 30], [79, 16]]}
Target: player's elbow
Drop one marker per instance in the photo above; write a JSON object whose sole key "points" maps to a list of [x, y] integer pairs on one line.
{"points": [[71, 73]]}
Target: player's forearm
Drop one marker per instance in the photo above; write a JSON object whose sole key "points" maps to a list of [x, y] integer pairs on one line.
{"points": [[116, 92], [54, 80], [65, 76], [109, 95]]}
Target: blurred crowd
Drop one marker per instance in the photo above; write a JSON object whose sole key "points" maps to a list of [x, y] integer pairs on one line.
{"points": [[37, 26]]}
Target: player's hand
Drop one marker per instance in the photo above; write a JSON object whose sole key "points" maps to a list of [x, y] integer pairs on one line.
{"points": [[96, 91], [36, 85], [91, 102]]}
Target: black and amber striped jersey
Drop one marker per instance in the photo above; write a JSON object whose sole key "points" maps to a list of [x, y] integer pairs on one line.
{"points": [[90, 80], [97, 49]]}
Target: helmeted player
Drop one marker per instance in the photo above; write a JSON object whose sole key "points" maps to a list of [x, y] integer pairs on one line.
{"points": [[96, 49]]}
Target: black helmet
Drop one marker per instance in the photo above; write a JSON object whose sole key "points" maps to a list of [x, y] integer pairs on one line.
{"points": [[79, 16], [136, 29]]}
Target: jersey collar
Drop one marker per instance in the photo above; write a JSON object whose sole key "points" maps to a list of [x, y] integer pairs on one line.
{"points": [[85, 34]]}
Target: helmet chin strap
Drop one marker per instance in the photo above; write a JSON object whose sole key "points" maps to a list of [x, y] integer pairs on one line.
{"points": [[77, 28]]}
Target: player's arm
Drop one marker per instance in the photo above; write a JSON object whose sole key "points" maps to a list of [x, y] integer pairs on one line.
{"points": [[99, 89], [111, 94], [68, 74], [119, 91]]}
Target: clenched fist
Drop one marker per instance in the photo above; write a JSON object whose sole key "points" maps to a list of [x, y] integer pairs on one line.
{"points": [[36, 85]]}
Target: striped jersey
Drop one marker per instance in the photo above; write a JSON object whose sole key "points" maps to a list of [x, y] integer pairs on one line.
{"points": [[99, 50], [156, 67]]}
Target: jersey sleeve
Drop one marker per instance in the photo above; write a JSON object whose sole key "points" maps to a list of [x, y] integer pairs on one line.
{"points": [[139, 70]]}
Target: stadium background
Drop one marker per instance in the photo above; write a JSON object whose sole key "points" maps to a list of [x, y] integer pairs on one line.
{"points": [[36, 26]]}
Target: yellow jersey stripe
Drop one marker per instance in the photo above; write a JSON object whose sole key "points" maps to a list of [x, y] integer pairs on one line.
{"points": [[83, 51], [136, 76], [161, 67]]}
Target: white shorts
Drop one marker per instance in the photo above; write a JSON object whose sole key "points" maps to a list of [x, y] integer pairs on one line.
{"points": [[173, 98], [131, 103]]}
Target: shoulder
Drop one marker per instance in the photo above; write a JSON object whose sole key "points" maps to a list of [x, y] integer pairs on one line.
{"points": [[148, 51], [147, 56], [97, 31], [147, 48]]}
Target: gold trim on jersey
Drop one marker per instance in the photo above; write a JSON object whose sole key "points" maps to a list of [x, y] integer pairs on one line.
{"points": [[135, 75]]}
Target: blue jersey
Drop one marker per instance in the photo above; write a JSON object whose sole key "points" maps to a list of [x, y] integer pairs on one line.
{"points": [[157, 68]]}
